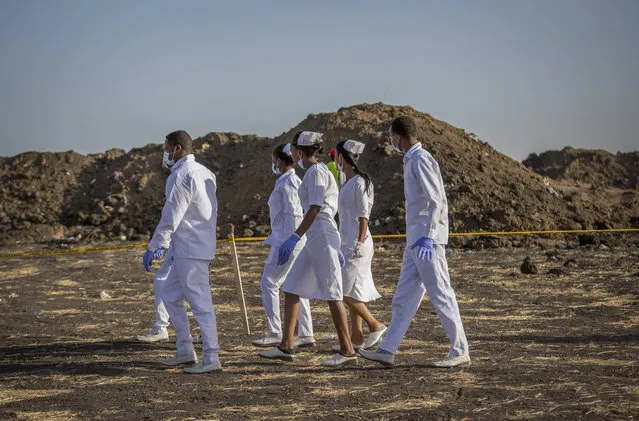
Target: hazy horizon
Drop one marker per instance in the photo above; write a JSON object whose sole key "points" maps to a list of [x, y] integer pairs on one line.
{"points": [[525, 76]]}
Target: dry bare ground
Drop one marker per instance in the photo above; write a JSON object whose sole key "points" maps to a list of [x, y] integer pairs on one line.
{"points": [[543, 347]]}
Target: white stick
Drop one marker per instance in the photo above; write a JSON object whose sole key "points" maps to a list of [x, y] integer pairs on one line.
{"points": [[238, 280]]}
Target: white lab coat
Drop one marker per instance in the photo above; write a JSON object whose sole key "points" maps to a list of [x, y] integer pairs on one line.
{"points": [[189, 216], [426, 216], [426, 204], [286, 215], [355, 202], [316, 272]]}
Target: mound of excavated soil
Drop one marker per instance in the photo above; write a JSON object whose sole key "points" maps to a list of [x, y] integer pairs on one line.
{"points": [[594, 167], [44, 194]]}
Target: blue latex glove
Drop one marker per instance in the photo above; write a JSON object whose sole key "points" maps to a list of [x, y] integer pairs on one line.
{"points": [[147, 259], [342, 261], [425, 251], [286, 249], [159, 253]]}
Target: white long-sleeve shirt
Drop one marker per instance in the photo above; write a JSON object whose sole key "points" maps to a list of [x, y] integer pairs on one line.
{"points": [[285, 208], [189, 216], [426, 204]]}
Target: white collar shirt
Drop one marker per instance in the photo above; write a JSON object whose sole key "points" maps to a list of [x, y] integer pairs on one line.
{"points": [[426, 204], [285, 208], [189, 216]]}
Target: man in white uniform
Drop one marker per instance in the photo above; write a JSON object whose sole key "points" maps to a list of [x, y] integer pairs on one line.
{"points": [[425, 269], [188, 224]]}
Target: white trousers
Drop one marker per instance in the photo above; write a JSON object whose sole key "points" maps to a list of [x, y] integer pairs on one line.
{"points": [[189, 279], [271, 282], [160, 278], [418, 277]]}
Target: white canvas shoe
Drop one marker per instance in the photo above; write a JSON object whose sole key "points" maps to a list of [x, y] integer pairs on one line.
{"points": [[374, 338], [339, 359], [268, 341], [276, 354], [151, 337], [336, 348], [385, 358], [303, 341], [452, 361], [200, 368], [180, 359]]}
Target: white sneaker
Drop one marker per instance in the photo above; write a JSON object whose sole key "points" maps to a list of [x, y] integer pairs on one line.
{"points": [[452, 361], [276, 354], [339, 359], [374, 338], [272, 339], [200, 368], [303, 341], [336, 348], [180, 359], [151, 337], [385, 358]]}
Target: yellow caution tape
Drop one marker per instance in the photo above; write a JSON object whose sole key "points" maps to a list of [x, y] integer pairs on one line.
{"points": [[73, 251], [377, 237], [496, 233], [482, 233]]}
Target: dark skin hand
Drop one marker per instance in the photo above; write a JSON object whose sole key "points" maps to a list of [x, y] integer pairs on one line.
{"points": [[308, 220]]}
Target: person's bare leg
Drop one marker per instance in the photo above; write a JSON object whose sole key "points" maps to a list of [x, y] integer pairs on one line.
{"points": [[357, 335], [338, 312], [362, 311], [291, 311]]}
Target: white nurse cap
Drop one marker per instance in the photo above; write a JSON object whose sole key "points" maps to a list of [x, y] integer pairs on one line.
{"points": [[354, 147], [309, 139], [287, 149]]}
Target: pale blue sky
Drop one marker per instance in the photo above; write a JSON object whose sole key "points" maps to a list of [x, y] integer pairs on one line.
{"points": [[526, 76]]}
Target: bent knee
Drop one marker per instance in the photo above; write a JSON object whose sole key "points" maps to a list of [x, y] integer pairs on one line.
{"points": [[267, 284]]}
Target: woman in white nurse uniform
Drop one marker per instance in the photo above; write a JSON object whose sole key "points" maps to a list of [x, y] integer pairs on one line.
{"points": [[355, 204], [316, 273], [286, 214]]}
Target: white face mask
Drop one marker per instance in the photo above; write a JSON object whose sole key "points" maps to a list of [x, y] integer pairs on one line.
{"points": [[275, 170], [166, 162], [393, 144], [340, 167], [300, 163]]}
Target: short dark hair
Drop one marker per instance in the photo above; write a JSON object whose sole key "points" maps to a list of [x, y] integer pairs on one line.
{"points": [[182, 138], [278, 153], [405, 126]]}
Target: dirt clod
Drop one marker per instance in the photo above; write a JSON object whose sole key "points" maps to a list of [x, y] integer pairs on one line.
{"points": [[528, 267], [559, 271], [570, 263]]}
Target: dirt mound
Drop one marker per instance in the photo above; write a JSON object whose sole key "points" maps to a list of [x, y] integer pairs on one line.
{"points": [[118, 195], [593, 167]]}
